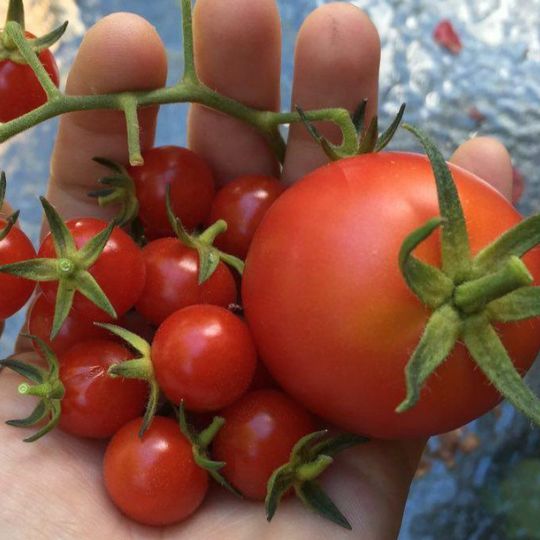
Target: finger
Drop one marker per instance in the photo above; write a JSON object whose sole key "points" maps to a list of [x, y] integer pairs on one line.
{"points": [[121, 52], [487, 158], [237, 53], [336, 65]]}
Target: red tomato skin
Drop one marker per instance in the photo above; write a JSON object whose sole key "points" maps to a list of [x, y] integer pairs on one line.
{"points": [[329, 309], [204, 355], [153, 480], [14, 291], [172, 281], [242, 203], [74, 329], [191, 192], [119, 269], [96, 405], [20, 90], [259, 433]]}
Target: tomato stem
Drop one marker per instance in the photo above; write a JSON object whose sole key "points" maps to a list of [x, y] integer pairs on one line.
{"points": [[472, 296]]}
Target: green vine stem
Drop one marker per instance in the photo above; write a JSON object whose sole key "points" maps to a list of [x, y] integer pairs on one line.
{"points": [[188, 89]]}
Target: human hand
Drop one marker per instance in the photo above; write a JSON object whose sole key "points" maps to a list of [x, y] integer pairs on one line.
{"points": [[52, 489]]}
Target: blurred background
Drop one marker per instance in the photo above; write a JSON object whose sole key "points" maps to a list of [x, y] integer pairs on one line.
{"points": [[463, 68]]}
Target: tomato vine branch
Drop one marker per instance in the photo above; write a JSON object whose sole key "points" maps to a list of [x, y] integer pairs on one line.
{"points": [[188, 89]]}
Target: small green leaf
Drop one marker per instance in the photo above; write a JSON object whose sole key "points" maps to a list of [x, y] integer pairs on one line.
{"points": [[515, 242], [456, 253], [301, 452], [359, 115], [388, 135], [55, 408], [136, 342], [334, 445], [10, 222], [329, 149], [315, 498], [520, 304], [44, 42], [440, 335], [431, 285], [91, 251], [48, 354], [15, 12], [111, 164], [64, 301], [33, 269], [3, 184], [30, 372], [208, 261], [151, 406], [89, 288], [369, 137], [64, 244], [492, 358], [279, 483], [35, 417]]}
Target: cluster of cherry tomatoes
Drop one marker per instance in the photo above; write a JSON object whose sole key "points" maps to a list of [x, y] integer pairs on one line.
{"points": [[177, 332]]}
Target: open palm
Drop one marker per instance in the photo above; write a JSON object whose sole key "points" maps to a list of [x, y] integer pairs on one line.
{"points": [[53, 488]]}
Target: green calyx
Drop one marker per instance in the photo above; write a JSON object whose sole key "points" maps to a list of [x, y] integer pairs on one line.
{"points": [[140, 367], [467, 294], [366, 137], [14, 30], [70, 268], [200, 443], [47, 386], [309, 458], [209, 256], [118, 188], [11, 219]]}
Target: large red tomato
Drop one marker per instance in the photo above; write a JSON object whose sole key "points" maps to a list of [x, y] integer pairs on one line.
{"points": [[330, 311]]}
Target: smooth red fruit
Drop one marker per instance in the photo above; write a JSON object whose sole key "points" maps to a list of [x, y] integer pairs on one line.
{"points": [[119, 269], [192, 188], [154, 480], [260, 431], [20, 90], [96, 405], [74, 329], [331, 313], [14, 291], [204, 355], [242, 203], [172, 271]]}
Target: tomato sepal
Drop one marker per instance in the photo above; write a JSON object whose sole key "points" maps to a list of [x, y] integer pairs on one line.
{"points": [[523, 303], [11, 219], [140, 367], [200, 443], [47, 387], [309, 458], [431, 285], [367, 138], [209, 256]]}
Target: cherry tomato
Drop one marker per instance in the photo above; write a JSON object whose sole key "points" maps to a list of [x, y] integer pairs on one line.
{"points": [[330, 311], [260, 431], [74, 329], [119, 270], [204, 355], [154, 480], [242, 203], [14, 291], [96, 405], [172, 271], [192, 188], [20, 90]]}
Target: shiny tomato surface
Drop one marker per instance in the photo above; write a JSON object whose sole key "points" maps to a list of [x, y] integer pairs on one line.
{"points": [[20, 90], [330, 311], [154, 479], [260, 431], [96, 405], [172, 281], [14, 291]]}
